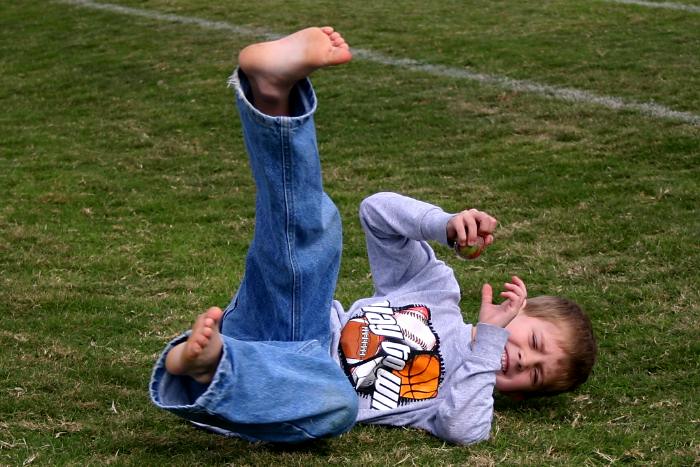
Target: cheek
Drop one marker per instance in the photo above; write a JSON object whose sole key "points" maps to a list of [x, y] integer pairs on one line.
{"points": [[505, 382], [517, 382], [517, 333]]}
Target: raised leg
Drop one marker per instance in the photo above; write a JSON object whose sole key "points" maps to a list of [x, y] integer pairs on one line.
{"points": [[293, 260], [268, 374]]}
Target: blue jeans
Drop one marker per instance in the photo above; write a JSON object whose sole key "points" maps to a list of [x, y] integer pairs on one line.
{"points": [[276, 380]]}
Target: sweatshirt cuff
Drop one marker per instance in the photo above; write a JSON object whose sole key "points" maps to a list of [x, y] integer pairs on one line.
{"points": [[489, 342], [433, 226]]}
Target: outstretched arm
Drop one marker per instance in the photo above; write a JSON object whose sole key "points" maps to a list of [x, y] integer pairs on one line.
{"points": [[397, 229]]}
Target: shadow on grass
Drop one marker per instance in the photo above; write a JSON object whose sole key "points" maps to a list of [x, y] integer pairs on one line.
{"points": [[186, 441], [550, 407]]}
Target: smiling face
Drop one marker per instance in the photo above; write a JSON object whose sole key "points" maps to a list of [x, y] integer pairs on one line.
{"points": [[533, 355]]}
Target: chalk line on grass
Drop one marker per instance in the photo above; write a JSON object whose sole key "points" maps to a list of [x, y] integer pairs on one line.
{"points": [[545, 90], [665, 5], [565, 94]]}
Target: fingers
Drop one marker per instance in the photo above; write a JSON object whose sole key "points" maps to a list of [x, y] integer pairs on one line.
{"points": [[515, 294], [487, 224], [471, 224], [519, 282], [460, 231], [486, 295]]}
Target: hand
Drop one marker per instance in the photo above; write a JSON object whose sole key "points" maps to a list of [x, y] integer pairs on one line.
{"points": [[501, 315], [464, 227]]}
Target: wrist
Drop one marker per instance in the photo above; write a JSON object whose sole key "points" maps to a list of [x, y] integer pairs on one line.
{"points": [[489, 343], [489, 324]]}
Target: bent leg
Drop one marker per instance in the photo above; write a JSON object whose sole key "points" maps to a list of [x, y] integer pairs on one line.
{"points": [[263, 391]]}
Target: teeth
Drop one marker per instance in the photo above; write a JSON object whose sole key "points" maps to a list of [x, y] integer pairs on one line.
{"points": [[504, 360]]}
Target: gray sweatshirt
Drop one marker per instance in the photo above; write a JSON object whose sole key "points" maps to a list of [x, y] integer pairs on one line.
{"points": [[407, 350]]}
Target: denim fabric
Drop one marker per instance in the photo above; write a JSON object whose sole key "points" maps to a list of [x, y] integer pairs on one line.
{"points": [[276, 380]]}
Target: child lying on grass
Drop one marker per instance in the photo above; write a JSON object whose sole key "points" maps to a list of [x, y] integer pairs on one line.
{"points": [[284, 363]]}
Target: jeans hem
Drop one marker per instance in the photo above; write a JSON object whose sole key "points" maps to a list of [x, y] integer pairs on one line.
{"points": [[210, 396], [307, 101]]}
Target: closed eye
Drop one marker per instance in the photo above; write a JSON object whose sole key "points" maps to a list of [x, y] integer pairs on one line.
{"points": [[536, 377]]}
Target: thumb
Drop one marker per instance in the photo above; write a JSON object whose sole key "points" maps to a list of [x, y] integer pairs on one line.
{"points": [[486, 295]]}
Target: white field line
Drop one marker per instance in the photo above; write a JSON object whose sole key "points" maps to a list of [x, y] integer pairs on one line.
{"points": [[545, 90], [666, 5]]}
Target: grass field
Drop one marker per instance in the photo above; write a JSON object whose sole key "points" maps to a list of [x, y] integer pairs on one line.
{"points": [[126, 207]]}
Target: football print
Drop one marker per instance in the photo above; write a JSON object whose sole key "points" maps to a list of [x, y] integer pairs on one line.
{"points": [[392, 355], [359, 342]]}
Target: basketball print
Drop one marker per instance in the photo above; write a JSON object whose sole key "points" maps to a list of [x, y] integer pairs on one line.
{"points": [[420, 377]]}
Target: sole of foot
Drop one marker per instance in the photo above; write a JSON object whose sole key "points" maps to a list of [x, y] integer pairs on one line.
{"points": [[198, 357], [274, 67]]}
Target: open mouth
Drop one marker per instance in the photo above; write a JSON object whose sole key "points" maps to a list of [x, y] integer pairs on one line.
{"points": [[504, 361]]}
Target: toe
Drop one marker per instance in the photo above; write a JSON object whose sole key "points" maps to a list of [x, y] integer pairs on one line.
{"points": [[214, 313], [195, 348], [201, 341]]}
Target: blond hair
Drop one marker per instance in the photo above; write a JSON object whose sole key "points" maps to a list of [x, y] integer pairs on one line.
{"points": [[579, 343]]}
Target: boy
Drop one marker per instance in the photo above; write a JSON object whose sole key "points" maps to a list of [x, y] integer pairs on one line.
{"points": [[274, 366]]}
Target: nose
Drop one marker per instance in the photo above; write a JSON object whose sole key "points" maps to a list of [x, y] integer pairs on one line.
{"points": [[525, 360]]}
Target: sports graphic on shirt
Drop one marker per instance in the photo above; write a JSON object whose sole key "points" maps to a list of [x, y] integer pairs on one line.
{"points": [[392, 355]]}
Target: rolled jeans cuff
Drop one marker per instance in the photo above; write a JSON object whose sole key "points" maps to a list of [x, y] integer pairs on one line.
{"points": [[302, 100]]}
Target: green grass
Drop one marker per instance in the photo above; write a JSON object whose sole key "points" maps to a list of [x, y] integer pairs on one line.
{"points": [[126, 208]]}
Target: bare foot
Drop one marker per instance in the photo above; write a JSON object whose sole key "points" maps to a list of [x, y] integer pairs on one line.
{"points": [[199, 356], [274, 67]]}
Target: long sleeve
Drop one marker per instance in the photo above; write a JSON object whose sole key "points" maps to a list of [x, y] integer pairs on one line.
{"points": [[465, 414], [397, 229], [444, 383]]}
